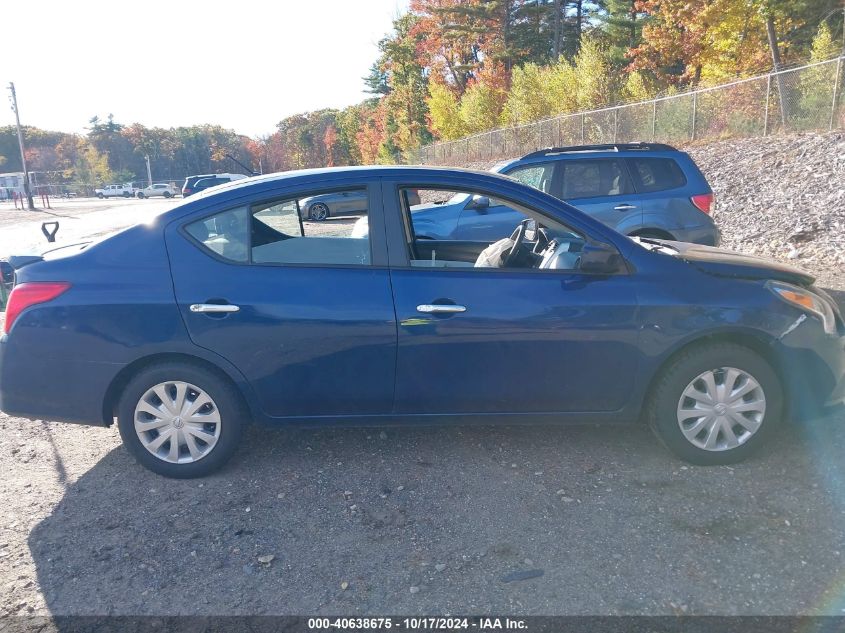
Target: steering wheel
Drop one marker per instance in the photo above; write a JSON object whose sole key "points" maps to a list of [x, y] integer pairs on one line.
{"points": [[518, 237]]}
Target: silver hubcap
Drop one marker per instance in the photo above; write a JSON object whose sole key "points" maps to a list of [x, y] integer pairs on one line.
{"points": [[319, 212], [721, 409], [177, 422]]}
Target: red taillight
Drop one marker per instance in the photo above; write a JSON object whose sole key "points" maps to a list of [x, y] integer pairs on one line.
{"points": [[704, 202], [30, 294], [185, 192]]}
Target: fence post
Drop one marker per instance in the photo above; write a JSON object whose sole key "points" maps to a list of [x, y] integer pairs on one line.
{"points": [[768, 98], [582, 128], [694, 113], [615, 123], [835, 92], [559, 142], [653, 119]]}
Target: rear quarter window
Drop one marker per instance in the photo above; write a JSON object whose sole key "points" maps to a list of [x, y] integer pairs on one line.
{"points": [[656, 174]]}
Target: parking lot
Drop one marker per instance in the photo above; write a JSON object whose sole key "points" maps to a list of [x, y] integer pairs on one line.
{"points": [[578, 520], [423, 521]]}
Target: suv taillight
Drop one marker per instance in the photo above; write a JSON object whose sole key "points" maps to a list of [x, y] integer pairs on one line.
{"points": [[704, 202], [29, 294]]}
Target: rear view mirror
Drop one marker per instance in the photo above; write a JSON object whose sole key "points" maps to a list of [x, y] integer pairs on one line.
{"points": [[600, 258], [479, 203]]}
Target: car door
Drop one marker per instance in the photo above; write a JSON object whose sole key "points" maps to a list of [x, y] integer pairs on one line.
{"points": [[506, 340], [487, 219], [601, 187], [307, 318]]}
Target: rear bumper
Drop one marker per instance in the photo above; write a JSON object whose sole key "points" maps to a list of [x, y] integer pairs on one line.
{"points": [[705, 234], [60, 389]]}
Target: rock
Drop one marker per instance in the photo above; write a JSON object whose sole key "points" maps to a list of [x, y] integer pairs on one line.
{"points": [[440, 566], [415, 589], [523, 575], [382, 435], [567, 499], [266, 559], [344, 586]]}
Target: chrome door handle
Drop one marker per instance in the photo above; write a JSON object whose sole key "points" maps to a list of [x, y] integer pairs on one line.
{"points": [[214, 307], [440, 308], [624, 207]]}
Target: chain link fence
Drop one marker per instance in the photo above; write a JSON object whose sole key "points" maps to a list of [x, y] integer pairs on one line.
{"points": [[810, 97]]}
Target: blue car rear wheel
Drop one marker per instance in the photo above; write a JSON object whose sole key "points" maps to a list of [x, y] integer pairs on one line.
{"points": [[180, 420]]}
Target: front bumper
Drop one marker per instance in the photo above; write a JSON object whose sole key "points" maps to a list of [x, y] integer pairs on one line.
{"points": [[812, 366]]}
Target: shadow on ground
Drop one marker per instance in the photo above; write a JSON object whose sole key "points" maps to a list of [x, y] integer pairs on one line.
{"points": [[354, 519]]}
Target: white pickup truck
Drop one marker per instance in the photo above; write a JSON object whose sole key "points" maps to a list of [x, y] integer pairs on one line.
{"points": [[111, 191]]}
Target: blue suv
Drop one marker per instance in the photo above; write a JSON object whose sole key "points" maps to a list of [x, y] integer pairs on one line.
{"points": [[640, 189]]}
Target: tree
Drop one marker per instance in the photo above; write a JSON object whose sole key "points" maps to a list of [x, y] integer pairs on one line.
{"points": [[527, 98], [444, 112]]}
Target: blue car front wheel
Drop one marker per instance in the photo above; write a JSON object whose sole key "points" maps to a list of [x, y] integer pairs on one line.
{"points": [[715, 403]]}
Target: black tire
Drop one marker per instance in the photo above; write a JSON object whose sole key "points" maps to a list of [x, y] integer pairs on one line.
{"points": [[233, 417], [141, 195], [126, 194], [319, 212], [662, 406], [167, 194], [100, 196]]}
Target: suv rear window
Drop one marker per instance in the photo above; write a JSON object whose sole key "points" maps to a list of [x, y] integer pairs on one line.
{"points": [[656, 174]]}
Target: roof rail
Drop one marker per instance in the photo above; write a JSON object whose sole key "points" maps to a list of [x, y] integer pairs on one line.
{"points": [[608, 147]]}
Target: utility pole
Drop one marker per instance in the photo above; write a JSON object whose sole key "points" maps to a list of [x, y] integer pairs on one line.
{"points": [[26, 188], [149, 173]]}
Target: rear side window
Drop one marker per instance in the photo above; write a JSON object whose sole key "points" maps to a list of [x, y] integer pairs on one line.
{"points": [[656, 174], [538, 176], [594, 178], [329, 228]]}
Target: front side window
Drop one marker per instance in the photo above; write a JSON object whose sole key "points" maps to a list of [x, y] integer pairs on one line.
{"points": [[314, 230], [538, 175], [492, 233], [594, 178]]}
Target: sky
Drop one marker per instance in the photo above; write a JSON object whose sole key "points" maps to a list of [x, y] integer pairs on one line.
{"points": [[241, 65]]}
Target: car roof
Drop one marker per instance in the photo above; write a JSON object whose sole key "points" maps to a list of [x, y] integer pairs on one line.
{"points": [[594, 151], [372, 171]]}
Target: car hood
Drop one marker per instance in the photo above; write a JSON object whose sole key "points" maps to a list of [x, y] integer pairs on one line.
{"points": [[725, 263]]}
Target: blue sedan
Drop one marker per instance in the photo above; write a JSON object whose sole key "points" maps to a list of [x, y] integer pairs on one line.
{"points": [[229, 309]]}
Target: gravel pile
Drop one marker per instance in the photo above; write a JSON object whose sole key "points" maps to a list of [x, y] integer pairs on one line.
{"points": [[780, 197]]}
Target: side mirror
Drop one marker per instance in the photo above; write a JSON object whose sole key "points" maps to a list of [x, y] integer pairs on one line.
{"points": [[600, 258], [479, 203]]}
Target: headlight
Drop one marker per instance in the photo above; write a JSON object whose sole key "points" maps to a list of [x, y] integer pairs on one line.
{"points": [[807, 301]]}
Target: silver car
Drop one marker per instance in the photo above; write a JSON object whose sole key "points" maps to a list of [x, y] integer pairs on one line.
{"points": [[319, 208]]}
